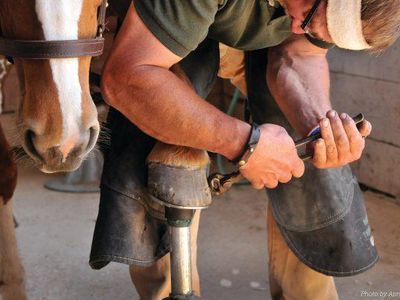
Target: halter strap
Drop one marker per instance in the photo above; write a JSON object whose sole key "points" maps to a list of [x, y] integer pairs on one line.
{"points": [[42, 49], [51, 49]]}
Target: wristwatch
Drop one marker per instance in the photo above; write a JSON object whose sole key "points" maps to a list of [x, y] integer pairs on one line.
{"points": [[250, 146]]}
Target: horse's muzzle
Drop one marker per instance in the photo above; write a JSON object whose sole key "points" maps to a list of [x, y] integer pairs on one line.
{"points": [[59, 157]]}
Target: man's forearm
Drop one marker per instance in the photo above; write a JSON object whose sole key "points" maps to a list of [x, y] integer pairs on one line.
{"points": [[165, 107], [300, 84]]}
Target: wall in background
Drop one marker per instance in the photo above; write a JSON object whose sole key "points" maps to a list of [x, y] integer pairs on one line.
{"points": [[371, 85]]}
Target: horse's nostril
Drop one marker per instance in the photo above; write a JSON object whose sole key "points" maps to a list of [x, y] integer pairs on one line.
{"points": [[30, 146], [93, 134]]}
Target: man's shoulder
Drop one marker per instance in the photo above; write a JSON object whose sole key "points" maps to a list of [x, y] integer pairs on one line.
{"points": [[250, 24], [181, 25]]}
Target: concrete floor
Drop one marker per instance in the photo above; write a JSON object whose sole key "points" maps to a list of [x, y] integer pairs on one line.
{"points": [[56, 229]]}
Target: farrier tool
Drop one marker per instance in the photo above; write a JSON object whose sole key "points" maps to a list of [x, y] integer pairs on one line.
{"points": [[221, 183]]}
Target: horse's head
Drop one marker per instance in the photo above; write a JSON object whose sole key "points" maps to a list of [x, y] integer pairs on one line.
{"points": [[57, 118]]}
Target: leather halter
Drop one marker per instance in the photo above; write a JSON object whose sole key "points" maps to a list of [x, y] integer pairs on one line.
{"points": [[42, 49]]}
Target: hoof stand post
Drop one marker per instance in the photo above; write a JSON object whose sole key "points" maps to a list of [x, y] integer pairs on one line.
{"points": [[178, 179]]}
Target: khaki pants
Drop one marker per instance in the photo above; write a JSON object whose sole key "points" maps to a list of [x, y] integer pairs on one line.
{"points": [[289, 278]]}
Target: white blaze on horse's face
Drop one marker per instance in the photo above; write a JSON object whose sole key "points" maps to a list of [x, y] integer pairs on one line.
{"points": [[61, 122], [65, 71]]}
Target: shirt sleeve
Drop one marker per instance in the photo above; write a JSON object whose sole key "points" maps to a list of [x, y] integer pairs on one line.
{"points": [[180, 25]]}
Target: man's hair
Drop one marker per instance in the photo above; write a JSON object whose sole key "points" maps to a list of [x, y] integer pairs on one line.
{"points": [[381, 22]]}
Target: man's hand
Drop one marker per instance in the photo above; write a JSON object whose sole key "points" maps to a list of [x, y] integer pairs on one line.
{"points": [[341, 143], [274, 160]]}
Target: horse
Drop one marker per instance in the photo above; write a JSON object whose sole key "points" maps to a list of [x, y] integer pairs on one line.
{"points": [[57, 120], [57, 123]]}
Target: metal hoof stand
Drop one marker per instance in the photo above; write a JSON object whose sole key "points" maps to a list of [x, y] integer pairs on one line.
{"points": [[179, 221], [182, 191]]}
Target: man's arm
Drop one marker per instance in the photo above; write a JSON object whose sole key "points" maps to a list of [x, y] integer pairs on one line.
{"points": [[137, 81], [298, 76]]}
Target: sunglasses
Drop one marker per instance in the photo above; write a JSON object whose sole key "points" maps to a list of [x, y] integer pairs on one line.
{"points": [[306, 23]]}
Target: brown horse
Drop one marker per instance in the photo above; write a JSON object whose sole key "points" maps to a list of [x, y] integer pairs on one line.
{"points": [[57, 120]]}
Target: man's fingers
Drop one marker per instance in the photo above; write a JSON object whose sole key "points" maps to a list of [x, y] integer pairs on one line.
{"points": [[258, 185], [327, 135], [285, 177], [340, 136], [319, 157], [365, 128], [357, 143], [298, 168], [271, 181]]}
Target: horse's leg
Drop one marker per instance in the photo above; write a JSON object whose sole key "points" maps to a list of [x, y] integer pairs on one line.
{"points": [[178, 156], [11, 271]]}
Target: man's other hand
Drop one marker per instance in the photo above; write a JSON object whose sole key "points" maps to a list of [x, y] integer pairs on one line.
{"points": [[341, 143], [274, 160]]}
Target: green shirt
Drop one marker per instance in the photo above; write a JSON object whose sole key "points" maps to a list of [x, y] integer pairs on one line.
{"points": [[181, 25]]}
